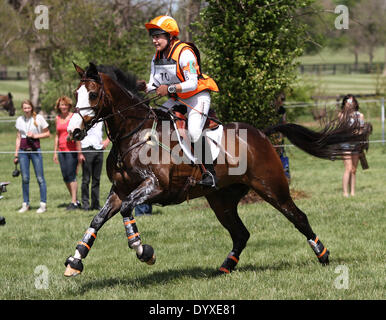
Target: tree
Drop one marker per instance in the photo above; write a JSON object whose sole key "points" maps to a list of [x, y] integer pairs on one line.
{"points": [[250, 48], [110, 32], [187, 14], [113, 34], [36, 41], [366, 28], [44, 29]]}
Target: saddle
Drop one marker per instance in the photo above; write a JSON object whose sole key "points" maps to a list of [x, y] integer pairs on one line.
{"points": [[179, 111]]}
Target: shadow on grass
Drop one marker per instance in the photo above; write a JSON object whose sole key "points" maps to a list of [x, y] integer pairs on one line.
{"points": [[150, 280], [164, 277]]}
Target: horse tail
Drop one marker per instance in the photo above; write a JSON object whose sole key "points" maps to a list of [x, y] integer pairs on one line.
{"points": [[334, 141]]}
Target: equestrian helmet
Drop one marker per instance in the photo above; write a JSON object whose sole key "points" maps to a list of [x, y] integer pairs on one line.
{"points": [[162, 24]]}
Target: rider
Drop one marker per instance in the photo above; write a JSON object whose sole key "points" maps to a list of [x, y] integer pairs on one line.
{"points": [[175, 71]]}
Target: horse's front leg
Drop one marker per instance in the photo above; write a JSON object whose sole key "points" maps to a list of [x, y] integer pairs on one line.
{"points": [[146, 190], [74, 265]]}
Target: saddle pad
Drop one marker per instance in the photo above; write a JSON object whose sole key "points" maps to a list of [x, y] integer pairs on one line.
{"points": [[213, 135]]}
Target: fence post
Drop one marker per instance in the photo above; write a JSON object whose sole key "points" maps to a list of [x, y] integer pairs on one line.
{"points": [[383, 119]]}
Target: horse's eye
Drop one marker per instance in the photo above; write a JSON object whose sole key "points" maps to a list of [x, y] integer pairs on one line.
{"points": [[93, 95]]}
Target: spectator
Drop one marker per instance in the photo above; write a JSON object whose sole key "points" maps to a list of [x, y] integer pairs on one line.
{"points": [[68, 155], [92, 162], [349, 108], [31, 127], [278, 138], [143, 209]]}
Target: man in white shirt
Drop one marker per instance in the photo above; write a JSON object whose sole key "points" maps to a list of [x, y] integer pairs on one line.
{"points": [[92, 162]]}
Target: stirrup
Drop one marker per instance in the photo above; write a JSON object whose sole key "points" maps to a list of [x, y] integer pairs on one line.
{"points": [[208, 180]]}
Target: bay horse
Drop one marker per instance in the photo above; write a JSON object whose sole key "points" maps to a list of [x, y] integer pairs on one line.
{"points": [[7, 103], [110, 95]]}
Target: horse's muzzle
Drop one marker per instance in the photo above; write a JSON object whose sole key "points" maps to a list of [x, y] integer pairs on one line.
{"points": [[79, 134]]}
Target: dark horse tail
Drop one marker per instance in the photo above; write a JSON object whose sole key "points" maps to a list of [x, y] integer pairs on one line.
{"points": [[334, 141]]}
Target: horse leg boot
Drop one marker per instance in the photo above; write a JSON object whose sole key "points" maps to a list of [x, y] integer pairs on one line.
{"points": [[144, 192], [74, 265], [209, 178]]}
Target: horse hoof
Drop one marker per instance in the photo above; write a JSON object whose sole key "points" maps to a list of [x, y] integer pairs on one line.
{"points": [[223, 270], [74, 267], [229, 264], [148, 255], [324, 260], [152, 260], [71, 272]]}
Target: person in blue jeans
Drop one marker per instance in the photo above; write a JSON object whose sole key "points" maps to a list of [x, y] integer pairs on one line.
{"points": [[143, 209], [31, 127]]}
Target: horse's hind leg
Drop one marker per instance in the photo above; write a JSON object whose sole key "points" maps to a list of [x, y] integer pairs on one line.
{"points": [[300, 221], [278, 195], [224, 204], [74, 265]]}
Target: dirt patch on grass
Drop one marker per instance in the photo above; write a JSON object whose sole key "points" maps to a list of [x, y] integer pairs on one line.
{"points": [[253, 197]]}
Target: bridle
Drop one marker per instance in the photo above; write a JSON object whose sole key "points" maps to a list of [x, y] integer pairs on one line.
{"points": [[95, 107], [80, 134]]}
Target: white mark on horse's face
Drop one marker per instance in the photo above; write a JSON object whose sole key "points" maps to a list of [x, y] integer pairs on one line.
{"points": [[83, 102], [83, 105], [76, 122]]}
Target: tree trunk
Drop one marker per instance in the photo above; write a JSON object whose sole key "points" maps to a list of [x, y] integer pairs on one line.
{"points": [[38, 72], [371, 56], [384, 60]]}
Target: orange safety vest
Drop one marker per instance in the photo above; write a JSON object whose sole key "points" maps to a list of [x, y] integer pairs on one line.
{"points": [[204, 82]]}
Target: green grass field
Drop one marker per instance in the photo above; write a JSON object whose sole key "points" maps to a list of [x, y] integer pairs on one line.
{"points": [[332, 85], [341, 83], [191, 244], [328, 55]]}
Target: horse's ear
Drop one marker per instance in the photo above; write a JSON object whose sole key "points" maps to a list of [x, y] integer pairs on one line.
{"points": [[9, 95], [92, 72], [78, 69]]}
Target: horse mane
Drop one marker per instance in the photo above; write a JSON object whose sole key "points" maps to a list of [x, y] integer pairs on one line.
{"points": [[127, 80]]}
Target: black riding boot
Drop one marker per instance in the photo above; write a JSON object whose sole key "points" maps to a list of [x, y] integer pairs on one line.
{"points": [[208, 178]]}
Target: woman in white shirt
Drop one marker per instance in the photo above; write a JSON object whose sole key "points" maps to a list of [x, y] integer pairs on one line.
{"points": [[31, 127]]}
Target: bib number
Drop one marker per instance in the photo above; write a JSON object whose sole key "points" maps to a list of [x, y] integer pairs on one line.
{"points": [[166, 74]]}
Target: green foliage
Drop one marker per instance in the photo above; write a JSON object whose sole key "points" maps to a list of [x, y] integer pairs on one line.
{"points": [[300, 91], [250, 49], [106, 43]]}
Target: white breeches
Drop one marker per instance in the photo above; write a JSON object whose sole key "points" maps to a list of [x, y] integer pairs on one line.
{"points": [[196, 116]]}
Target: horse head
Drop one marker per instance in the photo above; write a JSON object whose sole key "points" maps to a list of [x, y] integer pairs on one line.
{"points": [[104, 93], [89, 95], [7, 103]]}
